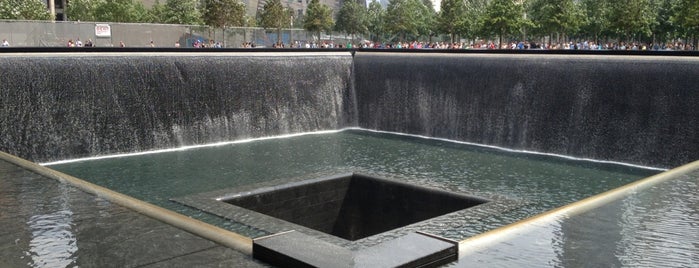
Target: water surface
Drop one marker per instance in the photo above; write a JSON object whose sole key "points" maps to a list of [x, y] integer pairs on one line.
{"points": [[536, 182]]}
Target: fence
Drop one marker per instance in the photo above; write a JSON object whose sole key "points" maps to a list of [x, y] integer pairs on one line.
{"points": [[53, 34]]}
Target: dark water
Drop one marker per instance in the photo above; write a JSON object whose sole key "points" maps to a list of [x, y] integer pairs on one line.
{"points": [[629, 109], [540, 182], [632, 109], [653, 227], [60, 106]]}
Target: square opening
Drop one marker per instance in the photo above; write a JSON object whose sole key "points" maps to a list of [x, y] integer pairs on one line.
{"points": [[353, 206]]}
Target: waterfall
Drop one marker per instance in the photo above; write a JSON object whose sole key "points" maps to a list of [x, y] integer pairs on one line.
{"points": [[624, 108], [58, 106]]}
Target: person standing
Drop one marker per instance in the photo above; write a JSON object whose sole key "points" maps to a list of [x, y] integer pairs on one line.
{"points": [[5, 43]]}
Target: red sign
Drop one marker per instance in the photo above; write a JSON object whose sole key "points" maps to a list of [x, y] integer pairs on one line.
{"points": [[103, 30]]}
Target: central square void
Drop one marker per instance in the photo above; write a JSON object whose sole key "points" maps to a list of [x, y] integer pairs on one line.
{"points": [[353, 206]]}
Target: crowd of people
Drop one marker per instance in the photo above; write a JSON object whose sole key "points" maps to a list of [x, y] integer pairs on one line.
{"points": [[581, 45], [78, 43]]}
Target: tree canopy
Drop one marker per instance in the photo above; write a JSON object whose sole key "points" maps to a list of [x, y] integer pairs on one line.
{"points": [[648, 21], [120, 11], [556, 16], [631, 17], [23, 10], [375, 20], [222, 13], [686, 17], [352, 18], [318, 18], [83, 10], [182, 12], [275, 16], [502, 17], [407, 18], [451, 17]]}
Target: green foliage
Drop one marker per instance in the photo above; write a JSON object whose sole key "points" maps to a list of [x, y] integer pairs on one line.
{"points": [[250, 21], [120, 11], [82, 10], [222, 13], [275, 16], [451, 17], [473, 14], [23, 10], [686, 17], [352, 18], [429, 15], [595, 13], [182, 12], [407, 18], [631, 20], [556, 16], [376, 20], [156, 14], [502, 17], [318, 18], [631, 17], [663, 28]]}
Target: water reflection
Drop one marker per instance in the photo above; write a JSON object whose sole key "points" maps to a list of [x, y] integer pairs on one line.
{"points": [[659, 228], [534, 183], [53, 243], [653, 227]]}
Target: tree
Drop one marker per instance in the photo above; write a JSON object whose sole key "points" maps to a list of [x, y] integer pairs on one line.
{"points": [[82, 10], [318, 18], [275, 16], [686, 18], [156, 14], [663, 28], [120, 11], [451, 17], [473, 12], [428, 22], [596, 22], [182, 12], [502, 17], [556, 16], [632, 17], [222, 13], [408, 18], [23, 10], [375, 20], [352, 18]]}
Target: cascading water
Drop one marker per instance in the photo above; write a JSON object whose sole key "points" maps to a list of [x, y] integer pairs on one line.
{"points": [[631, 109], [75, 105]]}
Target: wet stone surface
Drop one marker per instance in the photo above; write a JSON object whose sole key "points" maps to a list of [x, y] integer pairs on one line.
{"points": [[48, 223]]}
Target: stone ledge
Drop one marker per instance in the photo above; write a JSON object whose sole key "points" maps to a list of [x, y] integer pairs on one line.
{"points": [[295, 249]]}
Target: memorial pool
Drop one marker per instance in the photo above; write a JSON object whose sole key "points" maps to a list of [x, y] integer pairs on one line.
{"points": [[522, 184]]}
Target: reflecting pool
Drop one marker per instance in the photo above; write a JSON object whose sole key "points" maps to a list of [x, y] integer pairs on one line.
{"points": [[531, 183]]}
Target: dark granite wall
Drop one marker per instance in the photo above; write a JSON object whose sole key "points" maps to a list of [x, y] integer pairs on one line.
{"points": [[634, 109], [373, 206], [314, 205], [61, 106]]}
